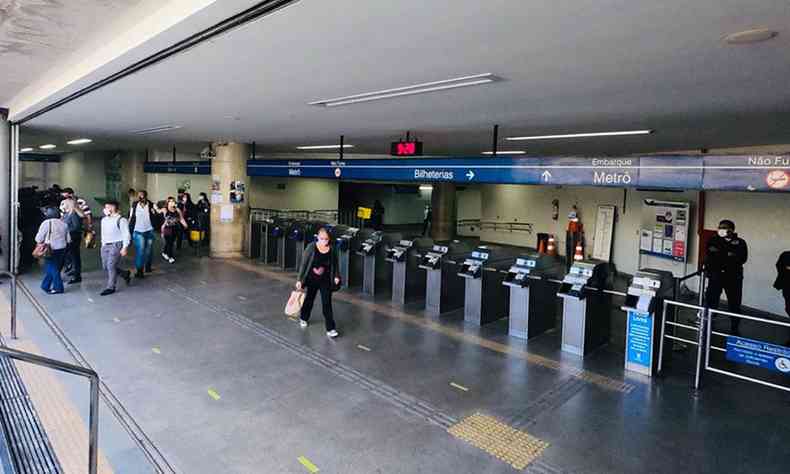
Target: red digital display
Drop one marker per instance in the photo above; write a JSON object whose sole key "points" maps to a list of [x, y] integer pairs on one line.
{"points": [[406, 149]]}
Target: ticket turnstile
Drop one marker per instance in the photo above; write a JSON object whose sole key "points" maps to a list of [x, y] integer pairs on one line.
{"points": [[277, 244], [444, 288], [350, 268], [585, 308], [485, 298], [303, 233], [643, 301], [407, 282], [532, 305], [369, 250]]}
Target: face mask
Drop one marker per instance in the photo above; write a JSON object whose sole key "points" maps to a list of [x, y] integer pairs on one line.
{"points": [[323, 242], [722, 232]]}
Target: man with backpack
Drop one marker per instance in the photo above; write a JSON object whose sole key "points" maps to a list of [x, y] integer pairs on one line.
{"points": [[115, 240]]}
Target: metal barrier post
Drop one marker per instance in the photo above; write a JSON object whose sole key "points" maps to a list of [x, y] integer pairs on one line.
{"points": [[663, 335], [13, 301], [93, 420], [702, 316]]}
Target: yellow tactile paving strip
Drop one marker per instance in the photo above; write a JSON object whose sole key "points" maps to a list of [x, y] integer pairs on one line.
{"points": [[598, 380], [517, 448], [66, 429]]}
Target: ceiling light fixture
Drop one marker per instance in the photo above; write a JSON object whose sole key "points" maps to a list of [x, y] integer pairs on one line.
{"points": [[25, 150], [323, 147], [506, 152], [79, 141], [48, 147], [435, 86], [583, 135], [751, 36], [426, 187], [159, 129]]}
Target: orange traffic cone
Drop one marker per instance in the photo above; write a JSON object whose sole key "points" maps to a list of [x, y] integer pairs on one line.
{"points": [[551, 248], [579, 253]]}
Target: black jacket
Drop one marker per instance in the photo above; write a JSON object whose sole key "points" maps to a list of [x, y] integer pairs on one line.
{"points": [[156, 218], [725, 258], [307, 263], [783, 272]]}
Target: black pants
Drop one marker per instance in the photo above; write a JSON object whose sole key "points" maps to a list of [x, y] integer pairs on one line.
{"points": [[326, 303], [179, 234], [170, 240], [733, 287], [73, 257], [425, 224]]}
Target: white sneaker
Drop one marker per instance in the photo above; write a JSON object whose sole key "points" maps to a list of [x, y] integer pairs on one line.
{"points": [[171, 260], [302, 323], [165, 256], [333, 334]]}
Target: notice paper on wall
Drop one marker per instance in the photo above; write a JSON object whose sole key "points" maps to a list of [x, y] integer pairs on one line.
{"points": [[668, 223], [226, 213], [216, 197], [604, 229]]}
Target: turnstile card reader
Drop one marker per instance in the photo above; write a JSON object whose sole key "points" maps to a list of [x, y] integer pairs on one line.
{"points": [[472, 267], [485, 298], [369, 251], [432, 259], [585, 308], [643, 302], [399, 252], [531, 303]]}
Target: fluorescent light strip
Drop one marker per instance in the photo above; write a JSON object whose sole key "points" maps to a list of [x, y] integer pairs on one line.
{"points": [[582, 135], [506, 152], [426, 187], [464, 81], [25, 150], [323, 147], [79, 141], [162, 128], [47, 147]]}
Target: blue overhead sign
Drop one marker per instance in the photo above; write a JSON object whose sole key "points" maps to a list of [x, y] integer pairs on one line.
{"points": [[178, 167], [655, 172], [759, 354]]}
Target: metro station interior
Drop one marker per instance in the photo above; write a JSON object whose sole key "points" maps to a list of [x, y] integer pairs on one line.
{"points": [[292, 236]]}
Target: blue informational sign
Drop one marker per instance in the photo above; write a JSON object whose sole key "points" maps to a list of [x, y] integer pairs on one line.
{"points": [[752, 173], [39, 158], [759, 354], [178, 167], [639, 339]]}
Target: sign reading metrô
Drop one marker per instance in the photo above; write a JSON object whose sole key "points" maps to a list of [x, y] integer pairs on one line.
{"points": [[619, 172], [759, 354]]}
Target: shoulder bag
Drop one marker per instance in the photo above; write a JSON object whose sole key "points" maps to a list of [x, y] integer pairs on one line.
{"points": [[44, 249]]}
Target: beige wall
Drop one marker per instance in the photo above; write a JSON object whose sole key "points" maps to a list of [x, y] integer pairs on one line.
{"points": [[85, 172], [42, 175], [309, 194]]}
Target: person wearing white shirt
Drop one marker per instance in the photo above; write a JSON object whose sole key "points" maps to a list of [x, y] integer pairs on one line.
{"points": [[54, 232], [142, 217], [115, 240]]}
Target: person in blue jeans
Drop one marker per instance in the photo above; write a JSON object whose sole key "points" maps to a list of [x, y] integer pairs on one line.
{"points": [[54, 232], [143, 219]]}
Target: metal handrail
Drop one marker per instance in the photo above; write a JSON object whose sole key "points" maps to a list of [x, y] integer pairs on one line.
{"points": [[93, 417], [13, 300]]}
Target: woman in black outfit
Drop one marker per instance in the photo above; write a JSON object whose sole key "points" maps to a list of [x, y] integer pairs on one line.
{"points": [[782, 282], [173, 225], [319, 272]]}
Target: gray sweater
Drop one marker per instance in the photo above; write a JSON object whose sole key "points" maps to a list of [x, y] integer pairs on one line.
{"points": [[307, 263]]}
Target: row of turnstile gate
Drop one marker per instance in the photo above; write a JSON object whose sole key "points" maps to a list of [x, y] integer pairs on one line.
{"points": [[488, 282]]}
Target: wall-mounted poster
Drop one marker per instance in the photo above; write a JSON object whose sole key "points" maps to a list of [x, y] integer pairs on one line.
{"points": [[215, 183], [667, 222], [237, 189]]}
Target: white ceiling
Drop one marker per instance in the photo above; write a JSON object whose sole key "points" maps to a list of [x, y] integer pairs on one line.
{"points": [[35, 34], [567, 67]]}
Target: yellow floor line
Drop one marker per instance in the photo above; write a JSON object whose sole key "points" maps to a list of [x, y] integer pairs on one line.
{"points": [[598, 380], [156, 350], [364, 348], [213, 394], [459, 387], [312, 468]]}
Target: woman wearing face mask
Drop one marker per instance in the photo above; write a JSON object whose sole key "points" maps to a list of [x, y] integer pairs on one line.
{"points": [[319, 272], [173, 225]]}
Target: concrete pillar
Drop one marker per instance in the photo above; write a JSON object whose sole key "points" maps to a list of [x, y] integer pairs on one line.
{"points": [[5, 191], [443, 225], [228, 234], [132, 175]]}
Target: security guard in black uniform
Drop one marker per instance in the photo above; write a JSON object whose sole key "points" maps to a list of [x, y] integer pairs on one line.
{"points": [[724, 258]]}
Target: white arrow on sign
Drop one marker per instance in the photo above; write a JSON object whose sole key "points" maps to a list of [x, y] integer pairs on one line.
{"points": [[546, 176], [470, 175]]}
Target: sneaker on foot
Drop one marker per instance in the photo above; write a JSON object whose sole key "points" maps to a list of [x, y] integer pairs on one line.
{"points": [[139, 274], [108, 291], [171, 260], [333, 334], [302, 323], [165, 256], [75, 280]]}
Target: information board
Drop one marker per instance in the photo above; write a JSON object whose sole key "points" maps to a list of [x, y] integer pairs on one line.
{"points": [[604, 231], [758, 354], [639, 342], [664, 229]]}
